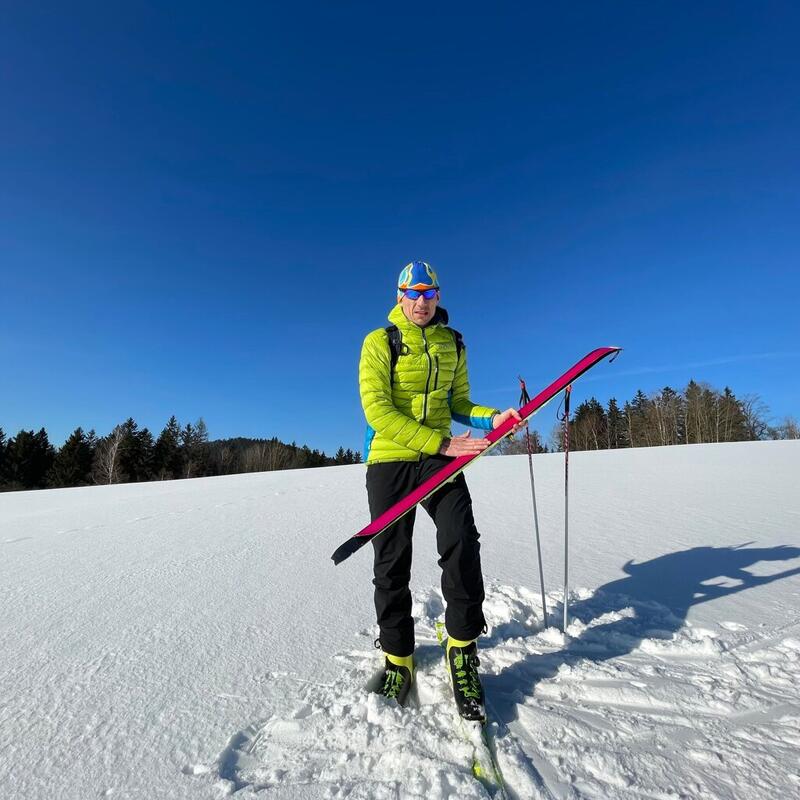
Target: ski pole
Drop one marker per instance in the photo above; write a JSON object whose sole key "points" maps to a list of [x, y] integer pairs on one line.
{"points": [[568, 391], [523, 400]]}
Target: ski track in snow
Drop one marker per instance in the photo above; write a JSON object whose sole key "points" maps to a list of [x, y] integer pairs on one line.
{"points": [[606, 711]]}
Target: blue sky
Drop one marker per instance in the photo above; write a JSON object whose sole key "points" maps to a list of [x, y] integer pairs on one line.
{"points": [[203, 209]]}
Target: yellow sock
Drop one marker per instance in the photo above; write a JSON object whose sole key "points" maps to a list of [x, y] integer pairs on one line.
{"points": [[402, 661]]}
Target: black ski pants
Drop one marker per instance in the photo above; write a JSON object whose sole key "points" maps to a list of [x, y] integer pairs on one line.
{"points": [[450, 508]]}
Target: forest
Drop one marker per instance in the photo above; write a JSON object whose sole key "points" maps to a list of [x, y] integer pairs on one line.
{"points": [[699, 414], [128, 454]]}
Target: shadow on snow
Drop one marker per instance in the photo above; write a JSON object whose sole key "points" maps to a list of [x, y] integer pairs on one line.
{"points": [[660, 593]]}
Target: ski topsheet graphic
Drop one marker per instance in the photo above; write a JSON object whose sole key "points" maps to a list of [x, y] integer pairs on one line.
{"points": [[382, 522]]}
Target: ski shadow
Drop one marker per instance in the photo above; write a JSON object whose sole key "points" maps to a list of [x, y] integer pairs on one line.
{"points": [[655, 597]]}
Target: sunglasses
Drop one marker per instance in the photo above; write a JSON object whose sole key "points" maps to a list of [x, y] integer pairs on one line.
{"points": [[413, 294]]}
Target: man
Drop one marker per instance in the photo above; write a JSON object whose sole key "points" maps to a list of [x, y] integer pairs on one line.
{"points": [[413, 382]]}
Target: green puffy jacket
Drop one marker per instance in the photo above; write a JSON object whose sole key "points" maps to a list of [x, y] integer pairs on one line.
{"points": [[410, 416]]}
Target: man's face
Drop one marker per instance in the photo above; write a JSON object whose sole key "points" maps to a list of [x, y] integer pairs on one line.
{"points": [[421, 310]]}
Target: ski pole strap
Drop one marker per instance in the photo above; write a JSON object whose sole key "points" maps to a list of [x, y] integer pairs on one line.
{"points": [[524, 397], [567, 393]]}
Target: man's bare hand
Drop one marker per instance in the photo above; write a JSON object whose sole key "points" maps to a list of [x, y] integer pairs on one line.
{"points": [[463, 445], [511, 413]]}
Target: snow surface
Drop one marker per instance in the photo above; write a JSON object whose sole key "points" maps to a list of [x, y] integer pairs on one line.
{"points": [[192, 639]]}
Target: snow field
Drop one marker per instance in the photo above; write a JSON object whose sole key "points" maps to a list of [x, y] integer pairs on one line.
{"points": [[689, 713], [192, 639]]}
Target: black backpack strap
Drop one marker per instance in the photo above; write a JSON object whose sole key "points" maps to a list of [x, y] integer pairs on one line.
{"points": [[395, 347], [459, 342]]}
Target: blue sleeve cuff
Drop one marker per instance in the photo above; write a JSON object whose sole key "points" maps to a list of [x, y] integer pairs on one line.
{"points": [[482, 423]]}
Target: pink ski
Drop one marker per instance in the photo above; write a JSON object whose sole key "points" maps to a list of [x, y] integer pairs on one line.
{"points": [[381, 523]]}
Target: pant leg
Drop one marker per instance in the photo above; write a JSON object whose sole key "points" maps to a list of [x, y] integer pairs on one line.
{"points": [[459, 554], [386, 484]]}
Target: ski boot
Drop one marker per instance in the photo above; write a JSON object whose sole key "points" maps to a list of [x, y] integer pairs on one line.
{"points": [[395, 681], [462, 663]]}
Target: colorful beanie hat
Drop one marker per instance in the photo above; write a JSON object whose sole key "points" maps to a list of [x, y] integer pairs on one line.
{"points": [[416, 275]]}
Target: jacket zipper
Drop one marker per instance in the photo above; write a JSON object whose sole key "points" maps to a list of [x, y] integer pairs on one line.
{"points": [[436, 373], [427, 380]]}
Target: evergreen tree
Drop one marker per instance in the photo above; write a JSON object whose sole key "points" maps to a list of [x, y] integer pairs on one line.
{"points": [[28, 458], [201, 442], [339, 458], [616, 433], [638, 431], [72, 465], [302, 457], [187, 450], [680, 422], [137, 452], [709, 413], [194, 444], [693, 399], [732, 419], [167, 457]]}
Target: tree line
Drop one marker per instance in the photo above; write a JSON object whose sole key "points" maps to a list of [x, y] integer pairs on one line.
{"points": [[129, 454], [699, 414]]}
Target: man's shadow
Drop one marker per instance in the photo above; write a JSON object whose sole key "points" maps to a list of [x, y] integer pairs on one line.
{"points": [[655, 597]]}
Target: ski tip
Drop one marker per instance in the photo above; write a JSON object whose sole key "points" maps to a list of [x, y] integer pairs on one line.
{"points": [[340, 554], [608, 351], [344, 551]]}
